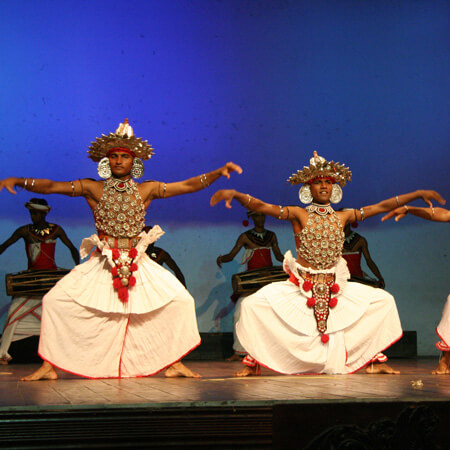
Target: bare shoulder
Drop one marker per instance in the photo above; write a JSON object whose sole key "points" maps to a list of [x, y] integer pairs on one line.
{"points": [[149, 189]]}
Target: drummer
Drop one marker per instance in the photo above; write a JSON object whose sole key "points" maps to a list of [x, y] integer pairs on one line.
{"points": [[258, 244], [24, 315]]}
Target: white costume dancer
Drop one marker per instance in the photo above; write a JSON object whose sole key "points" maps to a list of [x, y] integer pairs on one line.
{"points": [[119, 314], [317, 321]]}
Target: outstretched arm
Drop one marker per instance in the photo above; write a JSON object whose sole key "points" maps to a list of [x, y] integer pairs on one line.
{"points": [[234, 251], [390, 204], [254, 204], [19, 233], [74, 188], [434, 214], [165, 190], [68, 243]]}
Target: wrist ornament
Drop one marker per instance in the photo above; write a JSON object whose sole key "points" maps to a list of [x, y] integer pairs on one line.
{"points": [[204, 180]]}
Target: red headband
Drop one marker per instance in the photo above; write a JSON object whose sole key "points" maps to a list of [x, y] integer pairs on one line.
{"points": [[322, 178], [121, 149]]}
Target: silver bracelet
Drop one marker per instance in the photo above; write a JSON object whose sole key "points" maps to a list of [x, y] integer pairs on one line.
{"points": [[249, 199], [398, 203], [164, 190], [73, 188], [407, 209], [204, 180], [361, 210], [32, 184], [432, 211], [281, 212]]}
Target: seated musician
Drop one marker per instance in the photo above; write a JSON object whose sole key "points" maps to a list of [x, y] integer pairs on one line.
{"points": [[258, 244], [24, 315], [356, 245]]}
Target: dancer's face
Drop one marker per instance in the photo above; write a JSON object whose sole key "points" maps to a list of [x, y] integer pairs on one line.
{"points": [[321, 190], [37, 217], [259, 219], [120, 163]]}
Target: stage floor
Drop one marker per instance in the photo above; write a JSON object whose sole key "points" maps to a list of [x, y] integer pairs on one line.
{"points": [[218, 387]]}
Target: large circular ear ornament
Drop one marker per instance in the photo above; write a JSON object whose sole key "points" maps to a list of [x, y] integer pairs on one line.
{"points": [[137, 169], [103, 168], [304, 194], [336, 194]]}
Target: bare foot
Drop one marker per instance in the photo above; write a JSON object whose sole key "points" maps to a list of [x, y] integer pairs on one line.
{"points": [[180, 370], [443, 366], [4, 361], [235, 357], [249, 371], [377, 367], [45, 372]]}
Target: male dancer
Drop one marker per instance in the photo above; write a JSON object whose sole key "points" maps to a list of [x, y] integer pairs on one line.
{"points": [[119, 314], [443, 329], [24, 315], [316, 321], [258, 243]]}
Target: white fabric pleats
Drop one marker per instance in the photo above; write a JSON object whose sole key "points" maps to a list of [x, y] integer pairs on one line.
{"points": [[278, 329]]}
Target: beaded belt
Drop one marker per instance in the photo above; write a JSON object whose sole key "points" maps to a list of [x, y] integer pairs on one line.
{"points": [[120, 243], [322, 286]]}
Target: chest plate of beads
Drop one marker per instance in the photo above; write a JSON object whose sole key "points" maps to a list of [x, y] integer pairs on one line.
{"points": [[120, 212]]}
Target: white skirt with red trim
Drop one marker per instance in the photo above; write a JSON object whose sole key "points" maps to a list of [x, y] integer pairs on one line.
{"points": [[88, 331], [279, 330], [443, 329]]}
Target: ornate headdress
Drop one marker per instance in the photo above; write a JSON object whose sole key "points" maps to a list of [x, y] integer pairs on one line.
{"points": [[319, 167], [122, 139]]}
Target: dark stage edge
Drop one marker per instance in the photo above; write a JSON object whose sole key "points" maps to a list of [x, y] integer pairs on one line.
{"points": [[399, 417]]}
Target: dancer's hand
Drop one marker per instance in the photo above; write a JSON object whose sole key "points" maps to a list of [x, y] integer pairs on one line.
{"points": [[224, 194], [399, 213], [427, 196], [9, 184], [230, 167]]}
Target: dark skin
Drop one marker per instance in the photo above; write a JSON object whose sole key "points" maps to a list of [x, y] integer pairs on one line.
{"points": [[362, 246], [38, 219], [120, 163], [259, 220], [321, 189]]}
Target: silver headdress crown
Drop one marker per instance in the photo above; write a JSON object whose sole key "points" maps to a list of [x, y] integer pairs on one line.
{"points": [[122, 138], [319, 167]]}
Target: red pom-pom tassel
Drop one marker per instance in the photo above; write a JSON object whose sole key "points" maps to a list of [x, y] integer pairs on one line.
{"points": [[311, 302], [114, 271], [354, 224], [325, 338], [132, 253], [115, 253], [117, 283], [245, 223], [123, 294], [131, 281], [307, 285], [335, 288], [133, 267], [333, 302]]}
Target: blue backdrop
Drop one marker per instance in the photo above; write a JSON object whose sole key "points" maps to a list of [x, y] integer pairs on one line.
{"points": [[261, 83]]}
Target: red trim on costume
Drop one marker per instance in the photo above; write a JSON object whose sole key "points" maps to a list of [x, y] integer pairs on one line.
{"points": [[322, 178], [104, 378], [368, 362], [443, 340], [294, 279], [123, 345], [120, 149]]}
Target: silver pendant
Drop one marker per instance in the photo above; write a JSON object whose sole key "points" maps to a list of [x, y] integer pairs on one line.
{"points": [[304, 194], [137, 169], [103, 168]]}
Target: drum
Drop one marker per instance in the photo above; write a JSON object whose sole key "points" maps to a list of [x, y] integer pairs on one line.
{"points": [[245, 283], [33, 282]]}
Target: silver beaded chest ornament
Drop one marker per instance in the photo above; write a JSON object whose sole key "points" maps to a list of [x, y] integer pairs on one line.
{"points": [[120, 212], [322, 239]]}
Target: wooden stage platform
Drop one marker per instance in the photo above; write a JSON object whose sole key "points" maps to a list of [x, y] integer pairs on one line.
{"points": [[220, 411]]}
